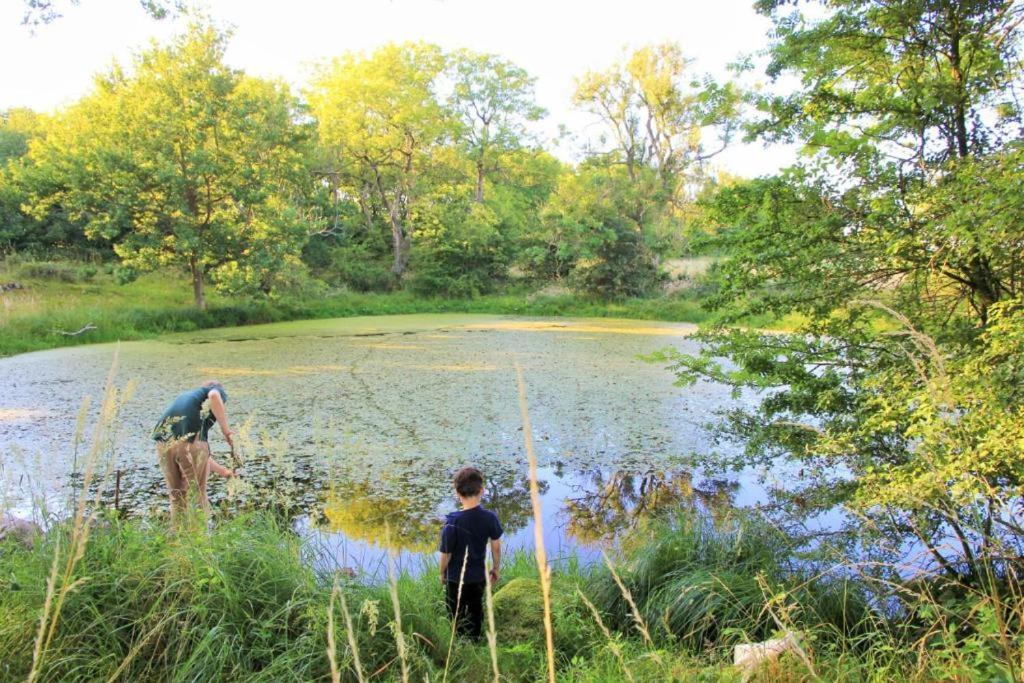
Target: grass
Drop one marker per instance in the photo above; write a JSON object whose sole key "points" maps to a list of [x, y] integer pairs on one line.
{"points": [[59, 299], [240, 603]]}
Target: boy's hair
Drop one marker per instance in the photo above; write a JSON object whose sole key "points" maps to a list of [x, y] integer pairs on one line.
{"points": [[469, 481]]}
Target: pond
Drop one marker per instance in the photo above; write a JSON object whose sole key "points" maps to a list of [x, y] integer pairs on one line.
{"points": [[356, 424]]}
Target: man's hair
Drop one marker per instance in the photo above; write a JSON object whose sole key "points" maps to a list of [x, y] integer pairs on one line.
{"points": [[469, 481]]}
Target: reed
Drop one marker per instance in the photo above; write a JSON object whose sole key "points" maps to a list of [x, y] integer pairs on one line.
{"points": [[351, 635], [613, 646], [492, 633], [455, 618], [538, 524], [396, 606], [332, 654]]}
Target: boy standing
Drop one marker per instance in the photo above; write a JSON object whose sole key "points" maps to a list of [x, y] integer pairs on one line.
{"points": [[464, 538]]}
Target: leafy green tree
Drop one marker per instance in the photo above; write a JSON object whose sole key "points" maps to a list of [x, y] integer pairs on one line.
{"points": [[493, 98], [19, 229], [898, 243], [382, 124], [17, 127], [654, 115], [601, 249], [185, 163], [641, 178]]}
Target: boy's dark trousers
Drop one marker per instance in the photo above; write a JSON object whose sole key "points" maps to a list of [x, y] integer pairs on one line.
{"points": [[469, 620]]}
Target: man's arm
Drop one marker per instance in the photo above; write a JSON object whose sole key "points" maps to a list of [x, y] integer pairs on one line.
{"points": [[445, 559], [219, 469], [221, 413], [496, 560]]}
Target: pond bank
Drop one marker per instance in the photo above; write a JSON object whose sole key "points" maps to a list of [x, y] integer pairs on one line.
{"points": [[240, 603], [43, 315]]}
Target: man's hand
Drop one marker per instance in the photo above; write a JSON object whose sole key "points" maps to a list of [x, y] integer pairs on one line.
{"points": [[495, 576]]}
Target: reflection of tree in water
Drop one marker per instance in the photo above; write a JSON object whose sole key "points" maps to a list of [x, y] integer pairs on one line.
{"points": [[377, 514], [614, 502], [508, 495]]}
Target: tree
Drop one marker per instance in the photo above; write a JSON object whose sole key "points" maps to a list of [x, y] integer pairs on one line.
{"points": [[899, 243], [38, 12], [656, 119], [381, 117], [493, 99], [184, 162], [634, 192], [594, 240], [19, 129]]}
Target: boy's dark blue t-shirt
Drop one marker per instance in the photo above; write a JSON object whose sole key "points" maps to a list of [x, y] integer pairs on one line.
{"points": [[473, 529]]}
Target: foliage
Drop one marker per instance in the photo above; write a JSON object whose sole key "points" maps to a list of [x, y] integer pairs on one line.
{"points": [[594, 241], [18, 229], [655, 118], [466, 254], [40, 12], [183, 163], [610, 220], [380, 116], [898, 243], [357, 267], [493, 100], [518, 611], [696, 583]]}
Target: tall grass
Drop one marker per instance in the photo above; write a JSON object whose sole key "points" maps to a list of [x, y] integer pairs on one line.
{"points": [[538, 523], [239, 603]]}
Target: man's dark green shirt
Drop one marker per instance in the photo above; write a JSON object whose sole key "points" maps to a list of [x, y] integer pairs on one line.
{"points": [[189, 417]]}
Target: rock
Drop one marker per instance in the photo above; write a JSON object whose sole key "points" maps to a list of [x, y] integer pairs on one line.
{"points": [[519, 612], [21, 530], [749, 656]]}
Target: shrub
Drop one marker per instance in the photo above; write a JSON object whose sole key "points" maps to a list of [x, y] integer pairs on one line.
{"points": [[49, 270], [356, 267]]}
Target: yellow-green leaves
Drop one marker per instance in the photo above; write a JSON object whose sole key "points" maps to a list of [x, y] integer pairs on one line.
{"points": [[182, 161]]}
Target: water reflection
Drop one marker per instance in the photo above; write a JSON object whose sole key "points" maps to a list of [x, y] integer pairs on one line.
{"points": [[610, 503], [379, 519], [407, 516]]}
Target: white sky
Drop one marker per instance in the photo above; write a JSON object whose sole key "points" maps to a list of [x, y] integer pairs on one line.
{"points": [[554, 40]]}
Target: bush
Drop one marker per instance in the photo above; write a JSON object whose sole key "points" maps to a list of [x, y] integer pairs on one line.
{"points": [[50, 270], [461, 256], [699, 583], [519, 612], [356, 267]]}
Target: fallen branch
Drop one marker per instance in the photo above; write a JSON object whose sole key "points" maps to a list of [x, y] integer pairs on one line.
{"points": [[87, 328]]}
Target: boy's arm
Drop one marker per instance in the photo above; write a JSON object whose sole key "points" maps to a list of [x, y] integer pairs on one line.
{"points": [[496, 559], [445, 559]]}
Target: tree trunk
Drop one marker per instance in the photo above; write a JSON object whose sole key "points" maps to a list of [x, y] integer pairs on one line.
{"points": [[960, 105], [198, 285], [399, 240], [400, 245], [480, 181]]}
